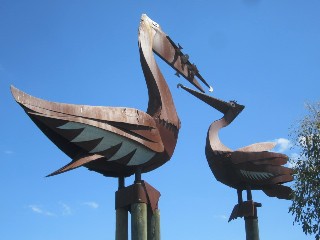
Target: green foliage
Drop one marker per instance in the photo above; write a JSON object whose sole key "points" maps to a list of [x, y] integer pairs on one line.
{"points": [[306, 201]]}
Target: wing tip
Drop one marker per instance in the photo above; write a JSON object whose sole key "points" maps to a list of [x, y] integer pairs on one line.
{"points": [[75, 164], [16, 93], [279, 191]]}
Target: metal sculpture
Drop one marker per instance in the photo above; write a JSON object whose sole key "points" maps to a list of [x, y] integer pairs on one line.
{"points": [[248, 168], [117, 141]]}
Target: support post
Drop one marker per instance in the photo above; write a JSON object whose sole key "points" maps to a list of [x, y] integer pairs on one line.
{"points": [[139, 221], [121, 217], [153, 224], [121, 224], [141, 198], [252, 228], [251, 222]]}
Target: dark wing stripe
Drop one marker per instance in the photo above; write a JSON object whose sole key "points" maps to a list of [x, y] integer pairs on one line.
{"points": [[259, 176]]}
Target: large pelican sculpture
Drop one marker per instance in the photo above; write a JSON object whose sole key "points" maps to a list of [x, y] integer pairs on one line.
{"points": [[119, 141], [248, 168]]}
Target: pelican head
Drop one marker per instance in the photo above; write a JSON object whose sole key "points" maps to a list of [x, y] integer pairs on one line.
{"points": [[149, 26], [230, 109], [233, 110], [145, 19], [156, 41]]}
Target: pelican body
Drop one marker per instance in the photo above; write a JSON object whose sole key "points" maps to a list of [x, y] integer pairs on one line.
{"points": [[118, 141], [248, 168]]}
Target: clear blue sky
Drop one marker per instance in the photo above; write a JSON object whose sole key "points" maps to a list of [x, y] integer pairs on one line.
{"points": [[264, 54]]}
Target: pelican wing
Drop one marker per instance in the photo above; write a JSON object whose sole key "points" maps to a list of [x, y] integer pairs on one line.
{"points": [[126, 122], [264, 175], [261, 167], [108, 140], [258, 158], [76, 163], [258, 147], [279, 191]]}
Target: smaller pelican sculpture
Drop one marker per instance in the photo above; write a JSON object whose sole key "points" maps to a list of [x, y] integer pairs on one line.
{"points": [[119, 141], [248, 168]]}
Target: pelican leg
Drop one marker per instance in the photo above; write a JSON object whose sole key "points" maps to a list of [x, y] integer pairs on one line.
{"points": [[121, 182], [249, 194], [137, 176], [239, 192]]}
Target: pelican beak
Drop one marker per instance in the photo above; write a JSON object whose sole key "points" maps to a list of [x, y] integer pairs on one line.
{"points": [[216, 103], [172, 54]]}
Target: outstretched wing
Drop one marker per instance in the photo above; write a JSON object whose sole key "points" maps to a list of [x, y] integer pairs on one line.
{"points": [[86, 133], [279, 191], [258, 147], [127, 122], [261, 168]]}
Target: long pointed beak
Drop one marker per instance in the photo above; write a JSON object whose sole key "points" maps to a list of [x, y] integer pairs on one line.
{"points": [[171, 53], [216, 103]]}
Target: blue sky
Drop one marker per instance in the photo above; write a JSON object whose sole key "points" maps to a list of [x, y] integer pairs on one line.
{"points": [[264, 54]]}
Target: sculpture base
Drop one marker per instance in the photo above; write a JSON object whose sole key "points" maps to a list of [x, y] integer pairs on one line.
{"points": [[245, 209], [141, 199]]}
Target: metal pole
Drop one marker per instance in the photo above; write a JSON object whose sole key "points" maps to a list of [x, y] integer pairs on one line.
{"points": [[153, 224], [138, 215], [121, 217], [252, 228], [139, 221], [251, 223], [121, 224]]}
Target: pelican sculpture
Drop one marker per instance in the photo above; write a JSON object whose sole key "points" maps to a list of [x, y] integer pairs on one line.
{"points": [[119, 141], [248, 168]]}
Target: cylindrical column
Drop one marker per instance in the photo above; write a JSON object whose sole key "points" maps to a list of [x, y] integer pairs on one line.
{"points": [[153, 224], [252, 228], [121, 224], [121, 216], [139, 221]]}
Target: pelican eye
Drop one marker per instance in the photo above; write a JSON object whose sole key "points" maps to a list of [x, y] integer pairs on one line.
{"points": [[232, 104], [155, 24]]}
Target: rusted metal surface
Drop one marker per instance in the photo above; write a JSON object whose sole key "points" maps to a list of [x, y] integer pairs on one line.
{"points": [[116, 141], [171, 53], [245, 209], [248, 168], [141, 192]]}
